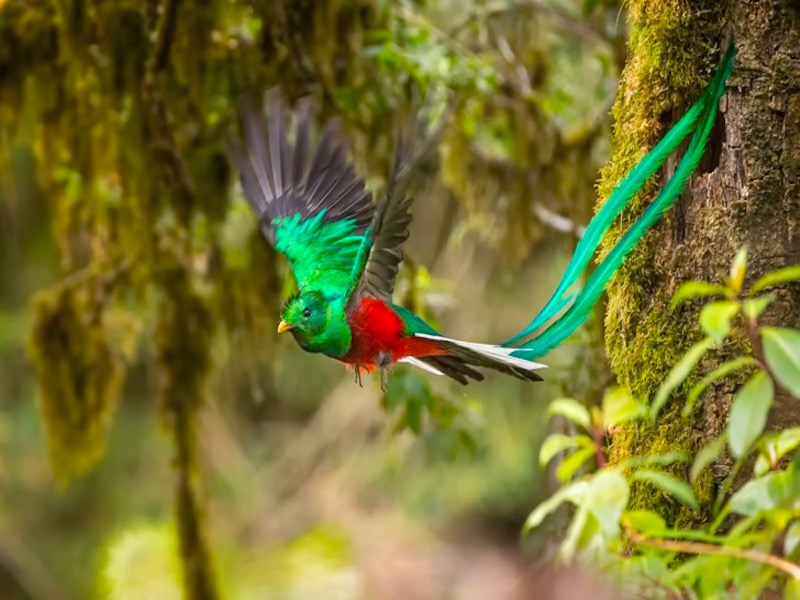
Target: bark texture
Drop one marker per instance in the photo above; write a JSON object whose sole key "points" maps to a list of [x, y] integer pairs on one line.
{"points": [[746, 191]]}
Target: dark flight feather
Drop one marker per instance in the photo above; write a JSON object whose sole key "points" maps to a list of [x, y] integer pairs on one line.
{"points": [[381, 254], [281, 178], [453, 367], [461, 358]]}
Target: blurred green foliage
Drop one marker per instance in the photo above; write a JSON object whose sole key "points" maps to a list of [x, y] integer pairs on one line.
{"points": [[132, 265], [749, 546], [141, 563]]}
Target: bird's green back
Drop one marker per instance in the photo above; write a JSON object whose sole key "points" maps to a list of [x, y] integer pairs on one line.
{"points": [[413, 324], [320, 254]]}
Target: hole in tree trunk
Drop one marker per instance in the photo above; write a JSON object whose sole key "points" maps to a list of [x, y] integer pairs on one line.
{"points": [[713, 152]]}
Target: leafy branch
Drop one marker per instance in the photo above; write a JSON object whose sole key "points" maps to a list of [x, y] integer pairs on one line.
{"points": [[689, 547], [765, 505]]}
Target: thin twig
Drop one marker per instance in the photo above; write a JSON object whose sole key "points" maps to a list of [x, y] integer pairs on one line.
{"points": [[754, 336], [557, 221], [765, 558], [600, 455]]}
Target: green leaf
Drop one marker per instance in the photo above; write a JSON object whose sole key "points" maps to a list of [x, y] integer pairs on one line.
{"points": [[774, 448], [619, 406], [782, 351], [715, 319], [647, 460], [569, 493], [753, 307], [784, 489], [738, 269], [570, 465], [558, 442], [581, 520], [694, 535], [707, 455], [753, 584], [778, 489], [646, 521], [747, 526], [748, 414], [678, 373], [596, 522], [607, 498], [792, 539], [413, 415], [670, 485], [721, 371], [776, 277], [753, 496], [792, 589], [571, 410], [696, 289]]}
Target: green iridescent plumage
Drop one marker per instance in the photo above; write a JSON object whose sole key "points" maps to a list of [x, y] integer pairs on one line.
{"points": [[321, 254], [313, 208], [345, 251]]}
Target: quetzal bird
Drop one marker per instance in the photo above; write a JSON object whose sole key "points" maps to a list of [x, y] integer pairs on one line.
{"points": [[345, 250]]}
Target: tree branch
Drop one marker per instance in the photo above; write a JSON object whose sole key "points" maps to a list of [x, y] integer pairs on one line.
{"points": [[765, 558], [558, 222]]}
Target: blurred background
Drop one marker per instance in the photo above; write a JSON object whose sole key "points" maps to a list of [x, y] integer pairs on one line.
{"points": [[150, 415]]}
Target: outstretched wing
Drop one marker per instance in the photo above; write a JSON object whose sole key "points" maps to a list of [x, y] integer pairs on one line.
{"points": [[311, 204], [381, 253]]}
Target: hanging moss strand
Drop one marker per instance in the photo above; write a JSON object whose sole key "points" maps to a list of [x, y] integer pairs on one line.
{"points": [[183, 342]]}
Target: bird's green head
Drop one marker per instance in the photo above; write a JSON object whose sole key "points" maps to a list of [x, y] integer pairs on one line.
{"points": [[317, 322]]}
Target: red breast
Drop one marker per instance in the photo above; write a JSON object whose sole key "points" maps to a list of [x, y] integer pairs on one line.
{"points": [[377, 329]]}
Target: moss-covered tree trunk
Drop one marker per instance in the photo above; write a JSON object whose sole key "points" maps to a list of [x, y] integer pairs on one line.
{"points": [[747, 191]]}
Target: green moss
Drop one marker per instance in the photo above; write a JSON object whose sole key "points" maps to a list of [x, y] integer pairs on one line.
{"points": [[80, 376], [673, 49], [672, 433]]}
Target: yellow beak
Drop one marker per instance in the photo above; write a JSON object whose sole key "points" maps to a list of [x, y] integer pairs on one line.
{"points": [[283, 327]]}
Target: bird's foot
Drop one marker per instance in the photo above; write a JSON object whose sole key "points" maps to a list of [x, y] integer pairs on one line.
{"points": [[384, 362], [357, 370]]}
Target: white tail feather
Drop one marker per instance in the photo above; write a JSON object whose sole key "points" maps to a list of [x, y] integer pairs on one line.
{"points": [[422, 365], [498, 353]]}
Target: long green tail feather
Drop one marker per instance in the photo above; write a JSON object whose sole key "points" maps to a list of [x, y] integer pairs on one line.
{"points": [[605, 216], [704, 111]]}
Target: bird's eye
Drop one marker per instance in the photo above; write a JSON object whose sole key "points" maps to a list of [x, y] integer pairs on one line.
{"points": [[307, 313]]}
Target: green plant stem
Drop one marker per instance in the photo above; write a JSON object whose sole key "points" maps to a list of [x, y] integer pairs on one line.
{"points": [[755, 342], [724, 488], [597, 435]]}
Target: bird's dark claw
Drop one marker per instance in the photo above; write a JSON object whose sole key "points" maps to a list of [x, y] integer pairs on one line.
{"points": [[357, 370], [384, 361], [384, 378]]}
